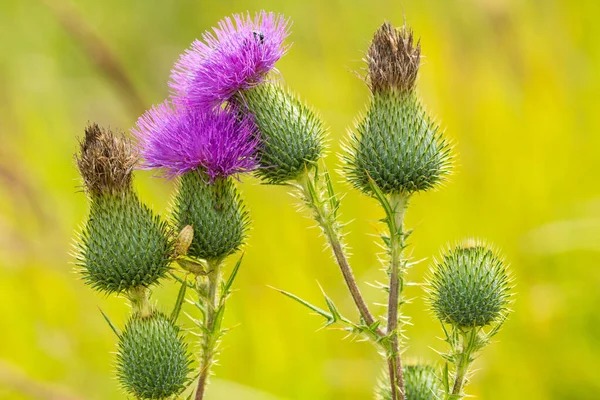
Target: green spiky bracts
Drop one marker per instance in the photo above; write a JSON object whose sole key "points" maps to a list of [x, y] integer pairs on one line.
{"points": [[469, 286], [153, 361], [216, 213], [396, 144], [291, 134], [421, 382], [123, 244]]}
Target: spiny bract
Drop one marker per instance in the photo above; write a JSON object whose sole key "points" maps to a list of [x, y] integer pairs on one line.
{"points": [[396, 145], [123, 245], [469, 287], [153, 361], [420, 383], [291, 134], [215, 211]]}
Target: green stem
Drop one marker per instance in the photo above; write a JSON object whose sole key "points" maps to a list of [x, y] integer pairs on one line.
{"points": [[326, 220], [463, 360], [399, 203], [210, 337], [139, 297]]}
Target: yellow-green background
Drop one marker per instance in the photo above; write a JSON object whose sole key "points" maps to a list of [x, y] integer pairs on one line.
{"points": [[514, 83]]}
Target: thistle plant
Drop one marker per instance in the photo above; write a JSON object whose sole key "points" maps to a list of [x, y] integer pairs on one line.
{"points": [[204, 142], [395, 151], [229, 114], [125, 248]]}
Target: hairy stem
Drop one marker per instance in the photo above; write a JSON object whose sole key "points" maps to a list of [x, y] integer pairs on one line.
{"points": [[211, 336], [398, 203], [326, 220]]}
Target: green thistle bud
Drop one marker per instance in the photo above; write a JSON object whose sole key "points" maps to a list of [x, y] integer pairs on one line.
{"points": [[420, 383], [153, 361], [469, 287], [215, 211], [291, 134], [396, 143], [123, 245]]}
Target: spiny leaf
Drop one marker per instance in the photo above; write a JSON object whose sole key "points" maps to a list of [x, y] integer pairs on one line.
{"points": [[305, 303]]}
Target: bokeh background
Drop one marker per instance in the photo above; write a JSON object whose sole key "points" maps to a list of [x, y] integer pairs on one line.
{"points": [[514, 83]]}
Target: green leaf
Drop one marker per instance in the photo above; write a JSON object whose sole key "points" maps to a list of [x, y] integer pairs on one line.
{"points": [[385, 204], [305, 303], [227, 285], [333, 200], [445, 378], [112, 326], [179, 301]]}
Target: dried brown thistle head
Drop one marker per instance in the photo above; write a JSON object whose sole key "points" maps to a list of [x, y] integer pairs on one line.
{"points": [[106, 161], [393, 59]]}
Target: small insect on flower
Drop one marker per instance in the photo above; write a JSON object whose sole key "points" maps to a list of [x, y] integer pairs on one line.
{"points": [[237, 55], [177, 139], [259, 37]]}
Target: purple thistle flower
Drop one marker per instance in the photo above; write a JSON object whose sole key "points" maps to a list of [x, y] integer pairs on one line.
{"points": [[237, 56], [179, 139]]}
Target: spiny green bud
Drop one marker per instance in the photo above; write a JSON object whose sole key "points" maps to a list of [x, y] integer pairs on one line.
{"points": [[420, 383], [105, 161], [153, 361], [123, 244], [396, 144], [215, 211], [470, 286], [291, 134]]}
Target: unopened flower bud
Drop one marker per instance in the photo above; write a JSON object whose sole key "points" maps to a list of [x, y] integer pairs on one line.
{"points": [[153, 361], [291, 135], [469, 286], [216, 212], [123, 244]]}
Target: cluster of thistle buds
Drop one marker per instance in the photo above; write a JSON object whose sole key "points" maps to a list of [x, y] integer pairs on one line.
{"points": [[229, 114]]}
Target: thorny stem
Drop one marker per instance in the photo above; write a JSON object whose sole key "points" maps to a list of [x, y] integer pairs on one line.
{"points": [[398, 203], [210, 337], [325, 219]]}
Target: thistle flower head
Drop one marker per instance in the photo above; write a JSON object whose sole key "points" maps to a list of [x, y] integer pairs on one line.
{"points": [[291, 134], [215, 212], [105, 161], [470, 286], [123, 245], [179, 139], [393, 59], [397, 145], [237, 55], [153, 361]]}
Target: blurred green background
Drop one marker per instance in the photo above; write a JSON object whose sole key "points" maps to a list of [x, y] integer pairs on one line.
{"points": [[516, 85]]}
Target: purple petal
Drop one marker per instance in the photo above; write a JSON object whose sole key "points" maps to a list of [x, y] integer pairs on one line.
{"points": [[237, 55], [179, 139]]}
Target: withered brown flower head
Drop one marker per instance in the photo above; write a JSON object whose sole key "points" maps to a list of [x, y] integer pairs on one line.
{"points": [[393, 59], [106, 161]]}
